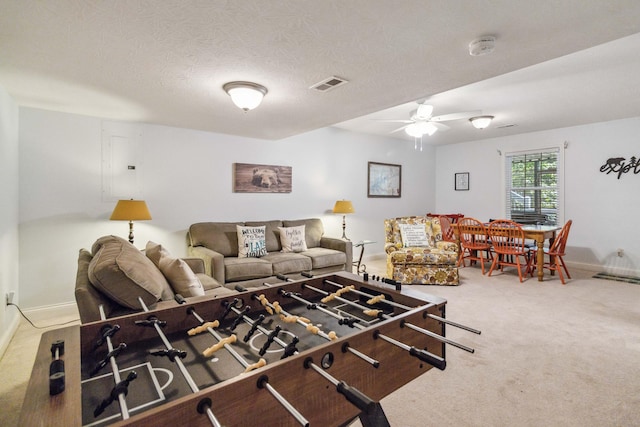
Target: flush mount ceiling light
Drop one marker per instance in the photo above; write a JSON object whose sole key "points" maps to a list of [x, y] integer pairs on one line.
{"points": [[481, 122], [245, 95]]}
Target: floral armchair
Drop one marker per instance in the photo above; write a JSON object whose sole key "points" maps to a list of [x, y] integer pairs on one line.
{"points": [[429, 260]]}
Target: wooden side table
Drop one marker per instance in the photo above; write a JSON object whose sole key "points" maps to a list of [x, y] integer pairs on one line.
{"points": [[360, 267]]}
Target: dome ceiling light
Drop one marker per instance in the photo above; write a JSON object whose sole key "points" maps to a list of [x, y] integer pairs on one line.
{"points": [[245, 95], [481, 122]]}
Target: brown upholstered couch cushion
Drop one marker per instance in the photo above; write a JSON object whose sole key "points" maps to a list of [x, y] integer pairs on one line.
{"points": [[182, 279], [123, 273]]}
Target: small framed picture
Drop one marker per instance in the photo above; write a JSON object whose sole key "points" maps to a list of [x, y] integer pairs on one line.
{"points": [[462, 181]]}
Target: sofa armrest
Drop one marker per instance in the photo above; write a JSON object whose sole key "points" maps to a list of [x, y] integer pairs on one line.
{"points": [[196, 264], [213, 261], [339, 245], [447, 246], [391, 247]]}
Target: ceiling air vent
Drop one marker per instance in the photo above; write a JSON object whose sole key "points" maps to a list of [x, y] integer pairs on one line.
{"points": [[328, 84]]}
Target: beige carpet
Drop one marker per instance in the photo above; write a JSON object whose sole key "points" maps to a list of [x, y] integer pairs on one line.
{"points": [[548, 355]]}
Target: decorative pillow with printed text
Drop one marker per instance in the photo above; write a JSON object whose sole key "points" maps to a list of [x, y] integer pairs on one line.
{"points": [[251, 241], [413, 235], [292, 239]]}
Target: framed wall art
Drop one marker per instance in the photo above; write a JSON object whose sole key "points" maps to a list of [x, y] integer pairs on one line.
{"points": [[462, 181], [384, 180], [250, 178]]}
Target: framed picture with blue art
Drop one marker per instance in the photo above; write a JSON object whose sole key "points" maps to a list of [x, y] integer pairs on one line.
{"points": [[384, 180]]}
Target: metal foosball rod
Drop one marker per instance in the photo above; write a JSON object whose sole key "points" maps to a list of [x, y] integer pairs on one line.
{"points": [[365, 294], [314, 329], [122, 402], [352, 394], [226, 345], [289, 349], [404, 307], [380, 298], [351, 321], [263, 382], [425, 356], [289, 318], [192, 385]]}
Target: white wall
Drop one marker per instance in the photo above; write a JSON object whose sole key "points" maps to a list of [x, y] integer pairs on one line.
{"points": [[604, 209], [8, 216], [186, 177]]}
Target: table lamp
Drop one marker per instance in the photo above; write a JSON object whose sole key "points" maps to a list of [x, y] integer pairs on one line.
{"points": [[130, 210], [343, 207]]}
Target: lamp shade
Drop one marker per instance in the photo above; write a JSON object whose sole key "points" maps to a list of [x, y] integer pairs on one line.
{"points": [[245, 95], [343, 207], [130, 210]]}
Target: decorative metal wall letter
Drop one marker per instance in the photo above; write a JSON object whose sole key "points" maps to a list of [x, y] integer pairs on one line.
{"points": [[618, 165]]}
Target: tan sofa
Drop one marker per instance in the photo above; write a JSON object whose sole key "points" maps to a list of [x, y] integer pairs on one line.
{"points": [[217, 244], [114, 274], [432, 262]]}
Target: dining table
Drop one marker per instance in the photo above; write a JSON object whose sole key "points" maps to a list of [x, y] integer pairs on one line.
{"points": [[538, 233]]}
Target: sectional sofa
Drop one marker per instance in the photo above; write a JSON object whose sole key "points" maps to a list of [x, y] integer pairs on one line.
{"points": [[114, 275], [275, 248]]}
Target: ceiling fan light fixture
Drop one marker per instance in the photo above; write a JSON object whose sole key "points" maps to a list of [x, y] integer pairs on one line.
{"points": [[412, 130], [420, 128], [481, 122], [246, 95]]}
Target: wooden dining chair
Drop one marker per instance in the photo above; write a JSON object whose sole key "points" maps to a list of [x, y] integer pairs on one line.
{"points": [[473, 242], [556, 252], [447, 231], [507, 238]]}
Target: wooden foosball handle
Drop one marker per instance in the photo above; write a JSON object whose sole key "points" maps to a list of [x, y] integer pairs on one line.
{"points": [[203, 327], [259, 364], [229, 340], [376, 299]]}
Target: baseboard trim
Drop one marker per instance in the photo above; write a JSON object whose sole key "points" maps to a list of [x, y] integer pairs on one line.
{"points": [[597, 268], [53, 311], [8, 333]]}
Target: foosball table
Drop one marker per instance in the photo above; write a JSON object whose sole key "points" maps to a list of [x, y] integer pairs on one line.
{"points": [[321, 351]]}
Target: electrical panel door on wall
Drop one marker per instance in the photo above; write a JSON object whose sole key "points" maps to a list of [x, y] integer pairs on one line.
{"points": [[120, 165]]}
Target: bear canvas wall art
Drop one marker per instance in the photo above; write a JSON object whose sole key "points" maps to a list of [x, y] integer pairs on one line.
{"points": [[251, 178]]}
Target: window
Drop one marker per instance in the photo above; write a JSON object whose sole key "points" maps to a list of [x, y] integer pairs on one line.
{"points": [[532, 187]]}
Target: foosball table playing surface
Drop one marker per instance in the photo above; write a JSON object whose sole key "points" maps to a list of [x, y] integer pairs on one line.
{"points": [[321, 351]]}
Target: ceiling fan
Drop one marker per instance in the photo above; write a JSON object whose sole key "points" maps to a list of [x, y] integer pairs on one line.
{"points": [[422, 122]]}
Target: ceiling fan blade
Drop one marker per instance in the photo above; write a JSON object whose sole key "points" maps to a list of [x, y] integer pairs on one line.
{"points": [[399, 129], [441, 126], [456, 116], [392, 121]]}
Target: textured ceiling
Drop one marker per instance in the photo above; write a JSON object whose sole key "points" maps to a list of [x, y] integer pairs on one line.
{"points": [[165, 61]]}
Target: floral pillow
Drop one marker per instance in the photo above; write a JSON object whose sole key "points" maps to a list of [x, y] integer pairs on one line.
{"points": [[251, 241], [292, 239]]}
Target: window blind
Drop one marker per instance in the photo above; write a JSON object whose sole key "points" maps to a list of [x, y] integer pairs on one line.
{"points": [[532, 187]]}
